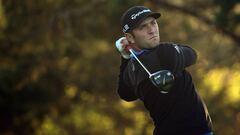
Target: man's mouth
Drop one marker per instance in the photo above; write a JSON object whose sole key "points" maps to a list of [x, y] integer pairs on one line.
{"points": [[153, 37]]}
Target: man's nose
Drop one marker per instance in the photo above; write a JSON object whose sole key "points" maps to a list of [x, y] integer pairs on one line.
{"points": [[151, 29]]}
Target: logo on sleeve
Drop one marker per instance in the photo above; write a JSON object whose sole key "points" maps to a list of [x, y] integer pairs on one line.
{"points": [[177, 48]]}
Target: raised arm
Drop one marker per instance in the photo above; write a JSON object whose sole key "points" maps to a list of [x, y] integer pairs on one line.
{"points": [[185, 57], [176, 57], [124, 90]]}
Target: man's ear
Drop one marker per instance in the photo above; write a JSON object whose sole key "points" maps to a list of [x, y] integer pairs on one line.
{"points": [[130, 38]]}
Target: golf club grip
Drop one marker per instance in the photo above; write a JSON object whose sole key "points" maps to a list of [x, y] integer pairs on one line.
{"points": [[128, 47]]}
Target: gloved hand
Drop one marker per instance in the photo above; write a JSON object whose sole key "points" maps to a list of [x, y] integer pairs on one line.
{"points": [[121, 44]]}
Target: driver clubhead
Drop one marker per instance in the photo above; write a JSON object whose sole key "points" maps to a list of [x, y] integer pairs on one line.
{"points": [[163, 80]]}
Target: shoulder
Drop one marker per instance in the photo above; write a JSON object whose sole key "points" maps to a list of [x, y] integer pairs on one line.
{"points": [[165, 46], [172, 45], [166, 43]]}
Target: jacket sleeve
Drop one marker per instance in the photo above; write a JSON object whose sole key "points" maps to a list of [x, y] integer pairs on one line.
{"points": [[185, 57], [125, 91], [176, 57]]}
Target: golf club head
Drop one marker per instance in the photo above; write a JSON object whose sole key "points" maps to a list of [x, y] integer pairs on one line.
{"points": [[163, 80]]}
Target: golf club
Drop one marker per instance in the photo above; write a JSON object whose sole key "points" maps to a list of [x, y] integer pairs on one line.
{"points": [[162, 79]]}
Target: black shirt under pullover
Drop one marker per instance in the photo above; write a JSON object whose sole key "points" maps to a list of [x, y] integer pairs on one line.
{"points": [[179, 112]]}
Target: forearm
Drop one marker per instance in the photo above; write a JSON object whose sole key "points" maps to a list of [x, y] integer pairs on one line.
{"points": [[124, 91]]}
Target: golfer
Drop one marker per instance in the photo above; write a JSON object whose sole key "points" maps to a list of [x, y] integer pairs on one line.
{"points": [[179, 110]]}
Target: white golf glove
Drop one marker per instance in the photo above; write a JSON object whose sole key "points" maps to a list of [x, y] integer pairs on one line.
{"points": [[121, 46]]}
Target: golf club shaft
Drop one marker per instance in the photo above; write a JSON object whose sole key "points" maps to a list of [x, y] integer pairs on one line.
{"points": [[131, 51]]}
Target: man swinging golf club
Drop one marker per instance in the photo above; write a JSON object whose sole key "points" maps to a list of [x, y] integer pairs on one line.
{"points": [[155, 73]]}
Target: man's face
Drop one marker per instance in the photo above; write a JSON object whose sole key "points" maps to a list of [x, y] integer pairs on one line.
{"points": [[146, 34]]}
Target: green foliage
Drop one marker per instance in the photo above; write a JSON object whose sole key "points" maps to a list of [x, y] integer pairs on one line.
{"points": [[225, 15]]}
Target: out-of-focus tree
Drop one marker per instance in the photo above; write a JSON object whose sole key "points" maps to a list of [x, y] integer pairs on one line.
{"points": [[51, 52], [31, 80], [223, 15]]}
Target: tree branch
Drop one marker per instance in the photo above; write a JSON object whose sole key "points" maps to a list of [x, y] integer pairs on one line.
{"points": [[202, 18]]}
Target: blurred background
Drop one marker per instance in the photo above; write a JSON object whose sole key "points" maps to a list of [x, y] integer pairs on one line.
{"points": [[59, 67]]}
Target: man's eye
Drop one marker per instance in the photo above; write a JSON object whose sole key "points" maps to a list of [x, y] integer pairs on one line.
{"points": [[141, 27]]}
